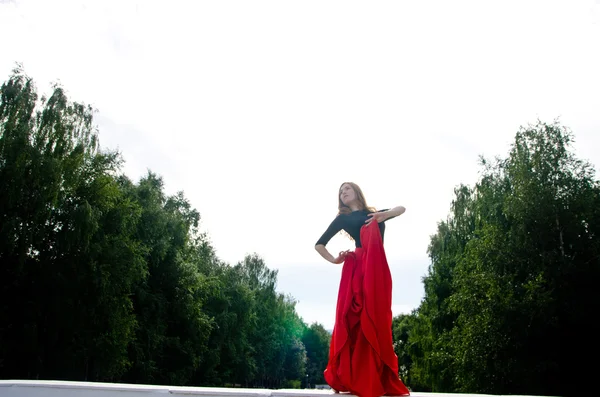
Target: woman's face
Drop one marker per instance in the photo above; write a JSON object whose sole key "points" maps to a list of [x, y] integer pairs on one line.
{"points": [[347, 194]]}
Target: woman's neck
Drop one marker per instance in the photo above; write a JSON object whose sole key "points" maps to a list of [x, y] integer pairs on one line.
{"points": [[354, 207]]}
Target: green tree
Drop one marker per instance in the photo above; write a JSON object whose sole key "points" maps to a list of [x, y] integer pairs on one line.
{"points": [[432, 358], [276, 330], [402, 326], [316, 340], [230, 303], [173, 328], [104, 279], [512, 275], [67, 252]]}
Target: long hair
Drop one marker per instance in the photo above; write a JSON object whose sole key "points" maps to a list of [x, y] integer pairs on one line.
{"points": [[360, 197]]}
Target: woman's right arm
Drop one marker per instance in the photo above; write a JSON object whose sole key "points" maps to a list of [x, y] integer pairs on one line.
{"points": [[333, 228], [325, 254]]}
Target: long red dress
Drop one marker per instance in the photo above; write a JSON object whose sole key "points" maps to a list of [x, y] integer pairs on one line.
{"points": [[361, 356]]}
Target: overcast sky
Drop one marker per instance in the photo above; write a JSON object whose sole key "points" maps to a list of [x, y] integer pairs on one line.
{"points": [[259, 110]]}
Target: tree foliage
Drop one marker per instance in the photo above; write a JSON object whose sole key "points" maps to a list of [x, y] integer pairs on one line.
{"points": [[316, 339], [106, 279], [509, 297]]}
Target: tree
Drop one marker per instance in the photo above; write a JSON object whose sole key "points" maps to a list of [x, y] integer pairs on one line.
{"points": [[512, 275], [276, 329], [316, 340], [230, 304], [104, 279], [173, 327], [67, 253]]}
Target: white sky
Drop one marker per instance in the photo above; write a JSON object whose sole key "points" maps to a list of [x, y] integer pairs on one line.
{"points": [[259, 110]]}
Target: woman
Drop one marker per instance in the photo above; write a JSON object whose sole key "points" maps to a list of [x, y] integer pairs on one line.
{"points": [[361, 356]]}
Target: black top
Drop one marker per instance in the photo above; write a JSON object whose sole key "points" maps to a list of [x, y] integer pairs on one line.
{"points": [[351, 223]]}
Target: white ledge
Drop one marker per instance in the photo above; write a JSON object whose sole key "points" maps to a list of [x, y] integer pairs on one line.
{"points": [[53, 388]]}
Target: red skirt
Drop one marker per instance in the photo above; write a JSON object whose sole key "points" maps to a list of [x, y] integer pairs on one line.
{"points": [[362, 360]]}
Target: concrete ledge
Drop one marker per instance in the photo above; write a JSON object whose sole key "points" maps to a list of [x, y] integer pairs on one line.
{"points": [[51, 388]]}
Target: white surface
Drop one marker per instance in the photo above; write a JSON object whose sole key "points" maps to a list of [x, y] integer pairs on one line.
{"points": [[29, 388]]}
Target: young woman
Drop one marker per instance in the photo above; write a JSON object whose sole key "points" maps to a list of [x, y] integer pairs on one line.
{"points": [[361, 356]]}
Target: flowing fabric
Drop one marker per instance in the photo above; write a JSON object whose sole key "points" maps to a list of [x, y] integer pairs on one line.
{"points": [[362, 360]]}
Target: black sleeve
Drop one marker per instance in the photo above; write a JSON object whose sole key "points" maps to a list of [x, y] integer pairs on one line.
{"points": [[333, 228]]}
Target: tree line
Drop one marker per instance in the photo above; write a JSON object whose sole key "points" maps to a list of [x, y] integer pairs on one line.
{"points": [[510, 300], [104, 279]]}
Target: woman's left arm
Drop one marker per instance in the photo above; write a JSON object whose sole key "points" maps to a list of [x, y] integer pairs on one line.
{"points": [[385, 215], [394, 212]]}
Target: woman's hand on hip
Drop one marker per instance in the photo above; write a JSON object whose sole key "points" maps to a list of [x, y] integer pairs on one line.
{"points": [[341, 257]]}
